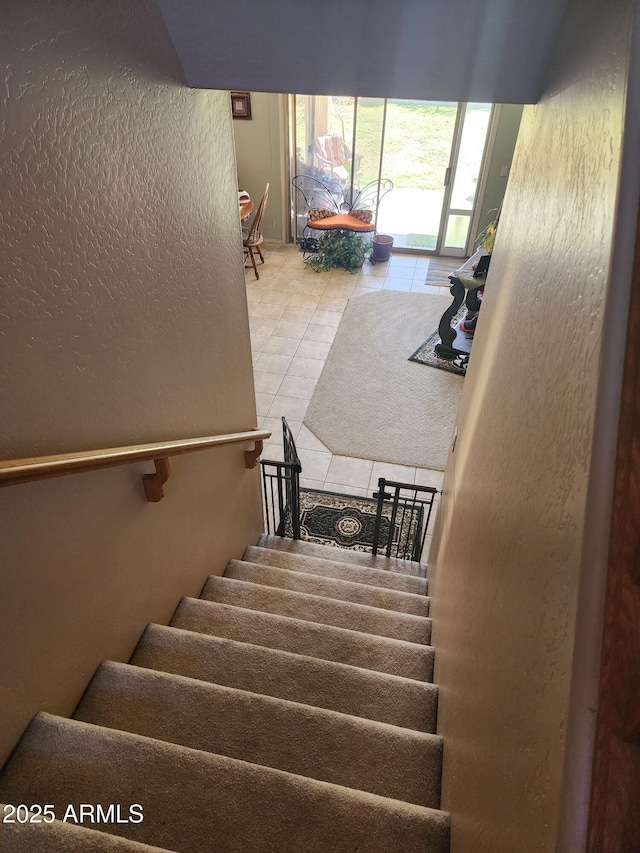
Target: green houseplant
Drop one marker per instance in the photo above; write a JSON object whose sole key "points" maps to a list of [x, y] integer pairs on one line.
{"points": [[487, 237], [339, 248]]}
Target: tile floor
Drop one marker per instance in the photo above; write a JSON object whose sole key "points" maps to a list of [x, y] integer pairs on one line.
{"points": [[294, 315]]}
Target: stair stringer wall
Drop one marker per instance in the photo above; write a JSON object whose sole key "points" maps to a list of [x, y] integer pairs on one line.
{"points": [[509, 555], [123, 320]]}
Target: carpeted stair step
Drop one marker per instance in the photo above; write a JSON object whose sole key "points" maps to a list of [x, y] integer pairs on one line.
{"points": [[299, 678], [344, 590], [334, 569], [314, 608], [383, 654], [64, 837], [343, 555], [194, 800], [313, 742]]}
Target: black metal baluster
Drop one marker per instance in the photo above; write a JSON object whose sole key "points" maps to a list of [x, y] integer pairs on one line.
{"points": [[270, 508], [281, 505], [378, 524], [263, 472], [392, 523], [292, 459], [429, 502], [402, 528], [417, 513]]}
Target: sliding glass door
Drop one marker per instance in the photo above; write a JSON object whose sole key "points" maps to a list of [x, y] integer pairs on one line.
{"points": [[464, 177], [418, 141], [433, 152]]}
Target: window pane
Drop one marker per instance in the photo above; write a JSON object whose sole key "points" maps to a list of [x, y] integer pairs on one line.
{"points": [[417, 148], [457, 230], [474, 134], [368, 140]]}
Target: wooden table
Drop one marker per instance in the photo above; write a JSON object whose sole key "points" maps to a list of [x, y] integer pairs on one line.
{"points": [[246, 209], [455, 342]]}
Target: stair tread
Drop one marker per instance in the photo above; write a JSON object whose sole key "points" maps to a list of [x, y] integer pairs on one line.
{"points": [[336, 588], [383, 654], [301, 739], [313, 681], [332, 568], [66, 837], [318, 609], [343, 555], [247, 807]]}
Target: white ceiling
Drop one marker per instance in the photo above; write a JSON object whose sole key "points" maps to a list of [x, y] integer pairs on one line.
{"points": [[451, 50]]}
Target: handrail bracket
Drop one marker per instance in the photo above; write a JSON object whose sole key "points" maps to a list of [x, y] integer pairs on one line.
{"points": [[153, 482], [251, 456]]}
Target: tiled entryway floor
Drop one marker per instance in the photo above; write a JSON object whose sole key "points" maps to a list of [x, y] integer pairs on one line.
{"points": [[294, 315]]}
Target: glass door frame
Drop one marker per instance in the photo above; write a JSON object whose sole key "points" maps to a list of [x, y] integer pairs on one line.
{"points": [[450, 176], [474, 214], [483, 177]]}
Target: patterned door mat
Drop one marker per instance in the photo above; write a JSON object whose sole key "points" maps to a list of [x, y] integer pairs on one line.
{"points": [[346, 521]]}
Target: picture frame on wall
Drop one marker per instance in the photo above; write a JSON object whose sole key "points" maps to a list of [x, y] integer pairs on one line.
{"points": [[241, 105]]}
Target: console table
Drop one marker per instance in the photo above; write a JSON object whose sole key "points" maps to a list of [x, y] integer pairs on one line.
{"points": [[453, 341]]}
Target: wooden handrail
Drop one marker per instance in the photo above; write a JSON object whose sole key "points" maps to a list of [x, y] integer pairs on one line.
{"points": [[14, 471]]}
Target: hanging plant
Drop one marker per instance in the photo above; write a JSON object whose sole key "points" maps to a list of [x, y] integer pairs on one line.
{"points": [[339, 249]]}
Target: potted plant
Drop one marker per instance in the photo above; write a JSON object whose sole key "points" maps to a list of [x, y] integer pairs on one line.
{"points": [[487, 237], [486, 240], [339, 248]]}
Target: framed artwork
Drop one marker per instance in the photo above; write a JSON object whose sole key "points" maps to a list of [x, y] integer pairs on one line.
{"points": [[241, 105]]}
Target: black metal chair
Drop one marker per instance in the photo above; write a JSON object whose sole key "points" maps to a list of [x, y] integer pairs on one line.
{"points": [[328, 210]]}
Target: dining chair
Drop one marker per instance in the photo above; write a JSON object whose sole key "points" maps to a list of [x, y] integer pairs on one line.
{"points": [[252, 239]]}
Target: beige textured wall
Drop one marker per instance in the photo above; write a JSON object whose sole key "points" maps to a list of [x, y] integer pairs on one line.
{"points": [[508, 545], [501, 155], [260, 145], [123, 319]]}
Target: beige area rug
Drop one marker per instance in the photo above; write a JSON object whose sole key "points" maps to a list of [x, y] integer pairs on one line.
{"points": [[371, 401]]}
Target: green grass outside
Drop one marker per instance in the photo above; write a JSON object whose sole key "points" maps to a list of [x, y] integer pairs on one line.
{"points": [[417, 143]]}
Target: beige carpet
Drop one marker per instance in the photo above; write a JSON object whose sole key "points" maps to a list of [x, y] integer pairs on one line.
{"points": [[290, 708], [370, 401]]}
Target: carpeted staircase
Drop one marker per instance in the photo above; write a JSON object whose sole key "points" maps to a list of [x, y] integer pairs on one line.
{"points": [[290, 708]]}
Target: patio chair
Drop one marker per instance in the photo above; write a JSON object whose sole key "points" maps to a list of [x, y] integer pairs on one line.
{"points": [[334, 159], [331, 156]]}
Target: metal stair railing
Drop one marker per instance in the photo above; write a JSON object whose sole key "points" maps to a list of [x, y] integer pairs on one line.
{"points": [[403, 511], [405, 521], [281, 489]]}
